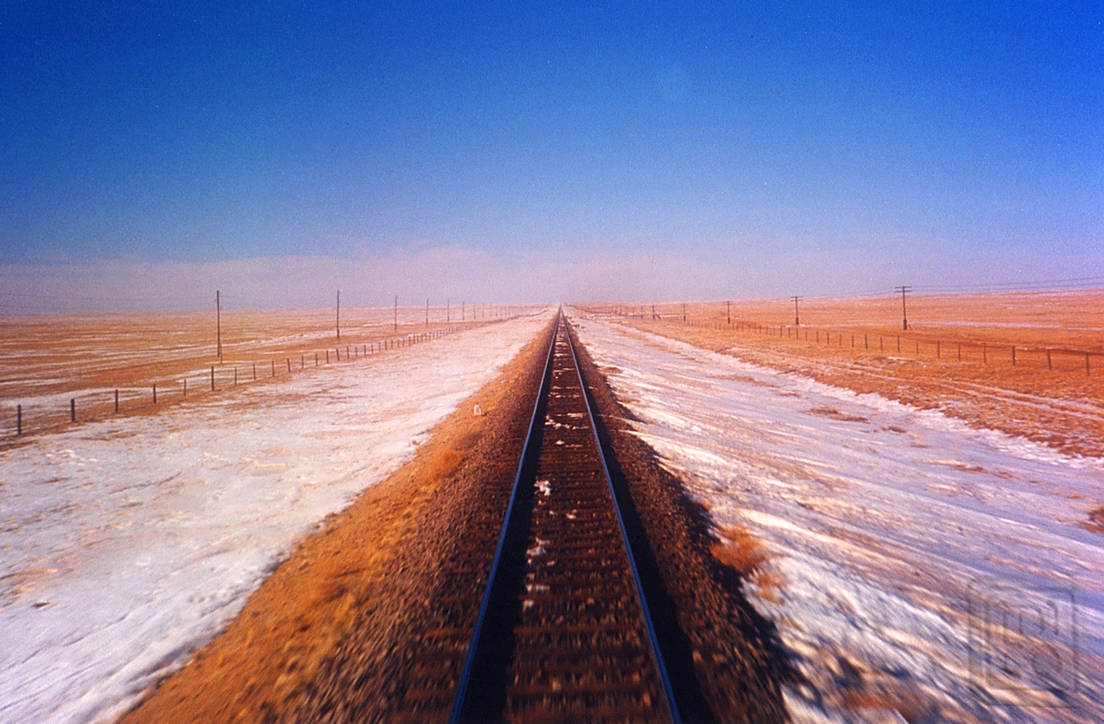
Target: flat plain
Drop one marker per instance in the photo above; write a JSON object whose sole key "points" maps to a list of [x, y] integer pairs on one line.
{"points": [[47, 360], [956, 356]]}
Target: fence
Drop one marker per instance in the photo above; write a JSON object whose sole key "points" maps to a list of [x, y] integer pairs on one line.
{"points": [[217, 377], [1054, 359]]}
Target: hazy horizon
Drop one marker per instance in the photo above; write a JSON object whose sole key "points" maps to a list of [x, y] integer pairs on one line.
{"points": [[54, 295]]}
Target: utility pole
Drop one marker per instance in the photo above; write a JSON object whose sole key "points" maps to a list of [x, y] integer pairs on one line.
{"points": [[339, 314], [797, 319], [396, 312], [218, 322], [904, 314]]}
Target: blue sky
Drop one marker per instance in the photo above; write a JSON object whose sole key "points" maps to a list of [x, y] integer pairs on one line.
{"points": [[684, 150]]}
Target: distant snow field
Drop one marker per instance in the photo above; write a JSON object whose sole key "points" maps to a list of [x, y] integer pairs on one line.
{"points": [[127, 543], [935, 569]]}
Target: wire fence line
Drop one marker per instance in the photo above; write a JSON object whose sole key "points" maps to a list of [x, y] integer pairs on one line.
{"points": [[1052, 358], [913, 345], [101, 403]]}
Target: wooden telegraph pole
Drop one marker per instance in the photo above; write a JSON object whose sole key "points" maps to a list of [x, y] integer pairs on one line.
{"points": [[218, 322], [904, 315], [339, 314], [797, 319]]}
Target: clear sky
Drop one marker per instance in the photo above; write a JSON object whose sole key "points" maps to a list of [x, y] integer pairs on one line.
{"points": [[486, 150]]}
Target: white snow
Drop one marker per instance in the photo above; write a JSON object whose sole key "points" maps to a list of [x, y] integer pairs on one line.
{"points": [[126, 544], [920, 559], [46, 362]]}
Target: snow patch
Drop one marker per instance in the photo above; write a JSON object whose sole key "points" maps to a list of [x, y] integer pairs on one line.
{"points": [[128, 543], [932, 558]]}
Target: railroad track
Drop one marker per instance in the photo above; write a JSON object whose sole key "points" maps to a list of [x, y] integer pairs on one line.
{"points": [[541, 618], [564, 630]]}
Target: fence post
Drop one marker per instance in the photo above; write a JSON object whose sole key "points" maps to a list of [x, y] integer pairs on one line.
{"points": [[898, 343], [960, 351], [19, 419], [212, 378], [185, 388], [254, 371], [1013, 355], [984, 354], [273, 363], [72, 409], [1086, 363], [116, 402], [917, 349], [155, 394], [289, 364], [938, 349], [235, 375], [1049, 365]]}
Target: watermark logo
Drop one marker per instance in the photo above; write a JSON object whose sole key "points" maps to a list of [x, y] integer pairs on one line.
{"points": [[1023, 637]]}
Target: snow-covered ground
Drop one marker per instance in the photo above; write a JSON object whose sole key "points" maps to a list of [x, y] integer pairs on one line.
{"points": [[47, 361], [923, 562], [127, 543]]}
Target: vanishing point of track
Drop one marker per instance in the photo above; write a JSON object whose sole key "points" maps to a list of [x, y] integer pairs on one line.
{"points": [[564, 629]]}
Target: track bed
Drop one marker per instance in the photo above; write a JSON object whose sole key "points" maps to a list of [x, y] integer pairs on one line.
{"points": [[564, 631]]}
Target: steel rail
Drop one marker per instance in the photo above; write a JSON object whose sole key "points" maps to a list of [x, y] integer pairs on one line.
{"points": [[458, 711], [473, 647], [657, 654]]}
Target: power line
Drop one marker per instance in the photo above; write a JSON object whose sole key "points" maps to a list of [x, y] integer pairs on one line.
{"points": [[218, 312], [904, 314], [1076, 282]]}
